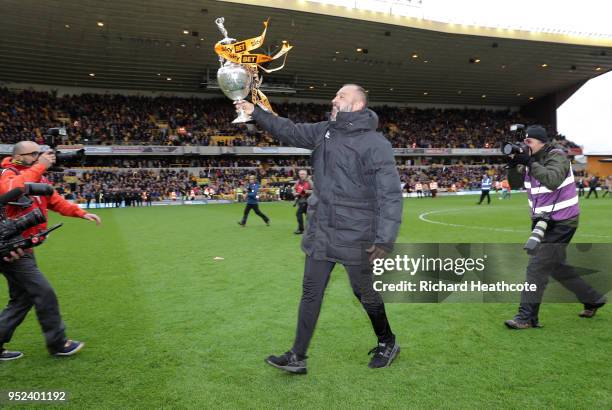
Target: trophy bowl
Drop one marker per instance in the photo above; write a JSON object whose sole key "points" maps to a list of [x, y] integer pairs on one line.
{"points": [[235, 81]]}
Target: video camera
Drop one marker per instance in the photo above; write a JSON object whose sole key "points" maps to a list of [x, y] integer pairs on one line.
{"points": [[53, 138], [519, 147], [11, 229]]}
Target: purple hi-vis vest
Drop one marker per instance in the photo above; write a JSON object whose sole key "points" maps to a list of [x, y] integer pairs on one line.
{"points": [[561, 203]]}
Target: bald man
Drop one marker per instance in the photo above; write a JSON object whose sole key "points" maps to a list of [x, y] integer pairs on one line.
{"points": [[27, 285], [356, 205]]}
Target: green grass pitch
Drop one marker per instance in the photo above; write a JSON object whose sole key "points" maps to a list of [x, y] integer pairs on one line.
{"points": [[167, 325]]}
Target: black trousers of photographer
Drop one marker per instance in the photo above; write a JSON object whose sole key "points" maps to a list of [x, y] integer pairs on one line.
{"points": [[550, 260], [255, 208], [302, 209], [29, 288], [316, 277]]}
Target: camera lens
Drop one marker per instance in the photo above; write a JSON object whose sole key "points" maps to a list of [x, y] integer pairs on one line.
{"points": [[29, 220], [507, 149]]}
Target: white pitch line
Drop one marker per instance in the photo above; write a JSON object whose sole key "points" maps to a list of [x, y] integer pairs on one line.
{"points": [[423, 218]]}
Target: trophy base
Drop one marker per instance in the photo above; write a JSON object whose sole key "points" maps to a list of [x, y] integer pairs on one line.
{"points": [[242, 118]]}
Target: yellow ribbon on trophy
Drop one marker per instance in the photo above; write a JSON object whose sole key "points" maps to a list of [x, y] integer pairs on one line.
{"points": [[239, 53]]}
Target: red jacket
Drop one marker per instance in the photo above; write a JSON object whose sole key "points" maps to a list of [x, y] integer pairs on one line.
{"points": [[301, 187], [10, 180]]}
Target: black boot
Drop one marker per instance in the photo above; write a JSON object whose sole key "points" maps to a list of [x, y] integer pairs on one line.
{"points": [[289, 362], [384, 354], [590, 309]]}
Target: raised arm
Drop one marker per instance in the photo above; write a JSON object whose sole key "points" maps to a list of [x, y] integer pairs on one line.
{"points": [[296, 135]]}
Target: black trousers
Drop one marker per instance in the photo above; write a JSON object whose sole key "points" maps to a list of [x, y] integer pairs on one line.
{"points": [[302, 208], [255, 208], [28, 287], [592, 190], [485, 193], [550, 260], [316, 277]]}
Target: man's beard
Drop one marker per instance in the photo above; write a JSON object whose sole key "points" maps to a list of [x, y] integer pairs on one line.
{"points": [[336, 110]]}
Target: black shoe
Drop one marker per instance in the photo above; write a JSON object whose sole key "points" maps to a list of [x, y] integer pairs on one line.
{"points": [[521, 324], [241, 224], [6, 355], [384, 354], [298, 232], [70, 347], [288, 362], [590, 309]]}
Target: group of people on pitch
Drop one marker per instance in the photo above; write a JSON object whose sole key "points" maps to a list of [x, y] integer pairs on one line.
{"points": [[356, 199]]}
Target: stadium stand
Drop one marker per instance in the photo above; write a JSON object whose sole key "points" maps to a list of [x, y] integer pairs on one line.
{"points": [[118, 120], [132, 120]]}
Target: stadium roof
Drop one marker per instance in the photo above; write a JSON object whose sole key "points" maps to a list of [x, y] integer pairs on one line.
{"points": [[168, 46]]}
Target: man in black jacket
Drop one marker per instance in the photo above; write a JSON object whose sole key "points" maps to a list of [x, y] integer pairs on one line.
{"points": [[356, 205], [593, 184]]}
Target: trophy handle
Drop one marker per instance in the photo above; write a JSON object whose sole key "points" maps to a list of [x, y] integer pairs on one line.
{"points": [[226, 40], [219, 22]]}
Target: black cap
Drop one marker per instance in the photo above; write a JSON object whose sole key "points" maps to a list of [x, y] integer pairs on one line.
{"points": [[537, 132]]}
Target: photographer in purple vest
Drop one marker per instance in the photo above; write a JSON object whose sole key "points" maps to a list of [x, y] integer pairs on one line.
{"points": [[546, 173]]}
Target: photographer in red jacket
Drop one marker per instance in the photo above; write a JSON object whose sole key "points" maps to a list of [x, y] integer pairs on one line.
{"points": [[301, 191], [27, 285]]}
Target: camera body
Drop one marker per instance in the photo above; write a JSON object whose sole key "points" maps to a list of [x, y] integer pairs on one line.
{"points": [[519, 147], [53, 138], [11, 230]]}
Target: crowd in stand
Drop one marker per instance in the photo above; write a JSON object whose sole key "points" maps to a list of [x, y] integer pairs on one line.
{"points": [[460, 177], [137, 186], [116, 119], [161, 183], [194, 162]]}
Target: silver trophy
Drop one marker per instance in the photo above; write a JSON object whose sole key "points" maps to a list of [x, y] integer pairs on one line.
{"points": [[235, 80]]}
